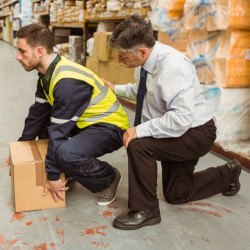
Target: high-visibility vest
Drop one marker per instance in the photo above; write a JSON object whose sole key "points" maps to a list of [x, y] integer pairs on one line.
{"points": [[103, 106]]}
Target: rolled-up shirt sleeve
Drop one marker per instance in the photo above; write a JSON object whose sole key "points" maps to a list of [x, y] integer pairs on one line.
{"points": [[129, 90], [178, 93]]}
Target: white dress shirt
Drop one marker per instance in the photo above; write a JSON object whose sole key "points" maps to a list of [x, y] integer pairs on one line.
{"points": [[174, 101]]}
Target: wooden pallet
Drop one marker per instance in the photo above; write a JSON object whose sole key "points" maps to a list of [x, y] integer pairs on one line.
{"points": [[242, 158]]}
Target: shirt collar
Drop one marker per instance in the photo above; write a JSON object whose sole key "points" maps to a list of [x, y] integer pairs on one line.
{"points": [[51, 68], [149, 65]]}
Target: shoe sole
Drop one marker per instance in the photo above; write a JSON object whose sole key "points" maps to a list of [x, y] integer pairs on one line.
{"points": [[109, 202], [155, 221]]}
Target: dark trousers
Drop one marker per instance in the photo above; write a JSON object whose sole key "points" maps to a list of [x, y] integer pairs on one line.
{"points": [[178, 157], [77, 157]]}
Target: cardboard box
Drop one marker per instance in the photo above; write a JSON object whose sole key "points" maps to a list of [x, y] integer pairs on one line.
{"points": [[73, 40], [179, 42], [126, 75], [61, 32], [73, 49], [93, 64], [28, 176], [104, 70], [95, 47], [114, 72], [114, 56], [104, 52]]}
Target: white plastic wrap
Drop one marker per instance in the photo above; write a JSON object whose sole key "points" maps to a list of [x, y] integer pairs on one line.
{"points": [[231, 112], [214, 15], [26, 12], [90, 46], [220, 57], [161, 20]]}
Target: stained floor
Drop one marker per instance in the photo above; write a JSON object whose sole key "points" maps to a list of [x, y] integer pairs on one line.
{"points": [[218, 222]]}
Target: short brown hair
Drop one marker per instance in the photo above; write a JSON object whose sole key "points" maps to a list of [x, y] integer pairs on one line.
{"points": [[132, 33], [37, 34]]}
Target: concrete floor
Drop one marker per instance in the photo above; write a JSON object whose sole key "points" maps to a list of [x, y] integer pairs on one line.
{"points": [[216, 223]]}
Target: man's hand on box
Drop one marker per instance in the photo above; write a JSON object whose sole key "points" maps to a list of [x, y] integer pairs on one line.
{"points": [[8, 162], [56, 188]]}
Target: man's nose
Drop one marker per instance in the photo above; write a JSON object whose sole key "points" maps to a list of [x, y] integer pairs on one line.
{"points": [[18, 56]]}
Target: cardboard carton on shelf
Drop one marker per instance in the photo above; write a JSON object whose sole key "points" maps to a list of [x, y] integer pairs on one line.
{"points": [[74, 40], [95, 47], [93, 64], [114, 72], [104, 52], [126, 75], [103, 70], [28, 176]]}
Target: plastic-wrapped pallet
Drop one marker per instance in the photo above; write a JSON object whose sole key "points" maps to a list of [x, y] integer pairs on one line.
{"points": [[179, 42], [26, 12], [232, 117], [216, 14], [175, 4], [169, 24], [161, 20], [221, 57]]}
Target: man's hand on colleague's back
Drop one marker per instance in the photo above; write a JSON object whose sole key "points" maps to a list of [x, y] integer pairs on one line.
{"points": [[109, 84]]}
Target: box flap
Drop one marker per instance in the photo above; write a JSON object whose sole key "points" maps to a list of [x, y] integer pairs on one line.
{"points": [[28, 151]]}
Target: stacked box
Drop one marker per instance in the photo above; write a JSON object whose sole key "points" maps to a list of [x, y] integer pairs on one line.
{"points": [[61, 35], [101, 50], [179, 42], [107, 60], [76, 49], [169, 22], [111, 71], [175, 5], [220, 57], [217, 15], [93, 64], [62, 49]]}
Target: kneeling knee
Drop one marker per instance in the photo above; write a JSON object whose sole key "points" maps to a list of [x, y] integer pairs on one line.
{"points": [[135, 145]]}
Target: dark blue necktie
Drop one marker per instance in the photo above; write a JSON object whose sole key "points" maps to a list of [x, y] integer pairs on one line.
{"points": [[140, 96]]}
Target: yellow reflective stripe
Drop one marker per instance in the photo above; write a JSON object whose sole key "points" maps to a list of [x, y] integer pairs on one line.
{"points": [[72, 75], [114, 108], [99, 98], [121, 122], [61, 121], [47, 96], [66, 68], [70, 68], [41, 100]]}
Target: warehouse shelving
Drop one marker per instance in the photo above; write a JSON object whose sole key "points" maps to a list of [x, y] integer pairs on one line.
{"points": [[67, 25], [6, 18]]}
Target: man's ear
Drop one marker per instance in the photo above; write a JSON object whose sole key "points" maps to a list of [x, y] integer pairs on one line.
{"points": [[40, 52], [143, 51]]}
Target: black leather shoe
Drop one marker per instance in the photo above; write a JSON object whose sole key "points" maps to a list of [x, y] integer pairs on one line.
{"points": [[137, 219], [235, 170]]}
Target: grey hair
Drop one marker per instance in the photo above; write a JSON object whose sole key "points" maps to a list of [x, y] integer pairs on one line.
{"points": [[131, 34]]}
